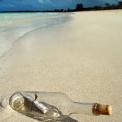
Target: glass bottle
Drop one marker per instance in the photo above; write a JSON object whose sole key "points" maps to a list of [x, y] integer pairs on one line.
{"points": [[53, 105]]}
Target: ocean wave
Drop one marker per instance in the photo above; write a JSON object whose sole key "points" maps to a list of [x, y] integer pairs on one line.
{"points": [[15, 26]]}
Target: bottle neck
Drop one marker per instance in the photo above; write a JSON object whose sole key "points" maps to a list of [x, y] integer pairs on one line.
{"points": [[82, 108]]}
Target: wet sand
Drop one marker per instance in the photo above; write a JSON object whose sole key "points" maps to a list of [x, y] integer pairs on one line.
{"points": [[81, 57]]}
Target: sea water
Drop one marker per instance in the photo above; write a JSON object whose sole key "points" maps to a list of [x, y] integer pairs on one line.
{"points": [[14, 26]]}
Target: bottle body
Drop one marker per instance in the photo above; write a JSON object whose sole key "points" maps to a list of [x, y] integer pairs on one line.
{"points": [[59, 100]]}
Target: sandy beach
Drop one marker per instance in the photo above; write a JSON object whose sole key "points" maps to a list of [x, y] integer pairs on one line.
{"points": [[80, 55]]}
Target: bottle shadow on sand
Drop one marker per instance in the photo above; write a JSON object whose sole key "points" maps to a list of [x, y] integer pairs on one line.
{"points": [[68, 119]]}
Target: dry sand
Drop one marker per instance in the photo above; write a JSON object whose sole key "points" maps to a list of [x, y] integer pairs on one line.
{"points": [[82, 58]]}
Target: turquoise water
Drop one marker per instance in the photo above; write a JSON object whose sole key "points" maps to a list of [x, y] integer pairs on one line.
{"points": [[27, 19]]}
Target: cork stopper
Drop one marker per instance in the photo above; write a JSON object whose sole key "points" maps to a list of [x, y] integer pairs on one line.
{"points": [[100, 109]]}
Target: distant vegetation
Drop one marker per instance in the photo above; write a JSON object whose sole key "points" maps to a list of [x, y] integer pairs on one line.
{"points": [[80, 7]]}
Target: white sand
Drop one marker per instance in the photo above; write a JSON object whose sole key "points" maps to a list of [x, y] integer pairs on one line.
{"points": [[81, 57]]}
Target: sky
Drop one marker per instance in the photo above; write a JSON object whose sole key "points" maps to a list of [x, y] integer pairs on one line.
{"points": [[22, 5]]}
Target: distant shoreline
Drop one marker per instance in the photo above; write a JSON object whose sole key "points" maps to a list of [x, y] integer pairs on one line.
{"points": [[28, 11]]}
